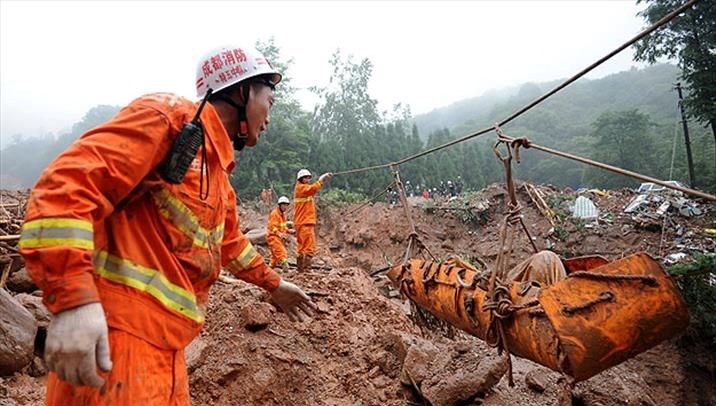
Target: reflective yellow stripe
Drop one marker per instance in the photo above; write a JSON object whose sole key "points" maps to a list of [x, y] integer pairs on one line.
{"points": [[59, 223], [183, 219], [150, 281], [57, 232], [242, 262], [302, 199], [247, 256]]}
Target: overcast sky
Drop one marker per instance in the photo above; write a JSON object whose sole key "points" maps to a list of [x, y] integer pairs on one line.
{"points": [[59, 58]]}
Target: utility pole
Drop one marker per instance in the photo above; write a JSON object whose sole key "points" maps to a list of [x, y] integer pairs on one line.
{"points": [[687, 142]]}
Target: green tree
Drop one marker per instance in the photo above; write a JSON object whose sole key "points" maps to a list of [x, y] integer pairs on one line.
{"points": [[691, 38], [346, 123], [285, 146], [622, 139]]}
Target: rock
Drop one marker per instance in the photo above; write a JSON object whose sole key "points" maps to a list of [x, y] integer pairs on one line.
{"points": [[257, 236], [194, 354], [466, 383], [418, 360], [34, 305], [17, 335], [256, 316], [37, 368], [18, 262], [462, 347], [20, 282], [535, 380]]}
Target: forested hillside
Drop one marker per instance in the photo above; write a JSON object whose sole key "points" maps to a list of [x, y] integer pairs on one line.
{"points": [[629, 119]]}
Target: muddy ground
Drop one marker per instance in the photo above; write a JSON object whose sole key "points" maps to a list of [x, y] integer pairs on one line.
{"points": [[363, 348]]}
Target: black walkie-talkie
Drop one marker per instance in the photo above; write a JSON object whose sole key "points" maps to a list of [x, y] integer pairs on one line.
{"points": [[184, 148]]}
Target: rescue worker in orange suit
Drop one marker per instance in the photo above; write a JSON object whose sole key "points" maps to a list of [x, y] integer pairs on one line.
{"points": [[125, 258], [304, 216], [276, 231]]}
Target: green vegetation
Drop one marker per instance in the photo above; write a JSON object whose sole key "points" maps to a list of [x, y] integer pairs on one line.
{"points": [[690, 38], [697, 282], [629, 119], [339, 197]]}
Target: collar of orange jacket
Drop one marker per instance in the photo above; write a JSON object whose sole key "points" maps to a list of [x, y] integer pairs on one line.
{"points": [[221, 141]]}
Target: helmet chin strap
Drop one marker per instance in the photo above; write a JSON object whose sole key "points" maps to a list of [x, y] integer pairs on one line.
{"points": [[239, 139]]}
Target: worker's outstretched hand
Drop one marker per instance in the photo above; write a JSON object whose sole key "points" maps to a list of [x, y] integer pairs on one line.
{"points": [[293, 301], [77, 342], [325, 176]]}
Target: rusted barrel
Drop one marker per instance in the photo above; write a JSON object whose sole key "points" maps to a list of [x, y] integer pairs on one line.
{"points": [[600, 315]]}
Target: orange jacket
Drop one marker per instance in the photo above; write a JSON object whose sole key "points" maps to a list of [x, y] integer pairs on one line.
{"points": [[304, 211], [102, 225], [276, 223]]}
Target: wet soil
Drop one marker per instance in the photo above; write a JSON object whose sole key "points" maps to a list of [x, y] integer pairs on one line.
{"points": [[363, 348]]}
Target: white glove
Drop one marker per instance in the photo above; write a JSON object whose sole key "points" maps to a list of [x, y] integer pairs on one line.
{"points": [[77, 341], [293, 301], [325, 176]]}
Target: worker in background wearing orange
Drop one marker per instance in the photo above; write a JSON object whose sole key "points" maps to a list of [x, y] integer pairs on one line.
{"points": [[125, 243], [276, 232], [304, 216]]}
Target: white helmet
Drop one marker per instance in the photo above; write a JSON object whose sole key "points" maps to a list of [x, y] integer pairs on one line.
{"points": [[283, 199], [228, 65], [302, 173]]}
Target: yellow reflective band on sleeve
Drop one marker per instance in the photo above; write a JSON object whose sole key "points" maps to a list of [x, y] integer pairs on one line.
{"points": [[150, 281], [57, 232], [183, 219], [303, 199], [244, 260]]}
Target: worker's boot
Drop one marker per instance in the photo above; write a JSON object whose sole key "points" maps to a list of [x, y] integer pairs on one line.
{"points": [[299, 262], [284, 265]]}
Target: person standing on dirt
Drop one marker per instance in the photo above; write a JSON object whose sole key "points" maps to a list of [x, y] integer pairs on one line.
{"points": [[125, 240], [458, 185], [304, 216], [276, 231]]}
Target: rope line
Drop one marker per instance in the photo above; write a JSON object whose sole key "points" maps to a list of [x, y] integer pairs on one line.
{"points": [[614, 169], [664, 20]]}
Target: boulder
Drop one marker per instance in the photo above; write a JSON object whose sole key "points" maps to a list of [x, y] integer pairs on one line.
{"points": [[34, 305], [17, 335], [194, 354], [20, 282], [257, 236]]}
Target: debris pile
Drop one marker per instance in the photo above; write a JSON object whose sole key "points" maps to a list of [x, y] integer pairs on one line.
{"points": [[363, 349], [24, 320]]}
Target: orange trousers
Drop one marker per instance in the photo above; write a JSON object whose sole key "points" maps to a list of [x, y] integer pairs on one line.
{"points": [[141, 374], [279, 255], [306, 237]]}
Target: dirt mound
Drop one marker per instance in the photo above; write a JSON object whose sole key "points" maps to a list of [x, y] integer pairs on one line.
{"points": [[363, 349]]}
